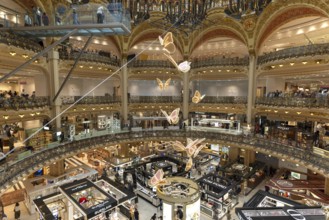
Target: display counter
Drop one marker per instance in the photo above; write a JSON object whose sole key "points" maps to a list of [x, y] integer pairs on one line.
{"points": [[44, 185], [217, 194], [148, 195], [217, 125]]}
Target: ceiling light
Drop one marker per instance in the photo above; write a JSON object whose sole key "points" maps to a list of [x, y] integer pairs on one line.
{"points": [[297, 165], [21, 115], [25, 56], [286, 112], [81, 66], [312, 113], [272, 67], [298, 113], [291, 64], [32, 114], [219, 70], [6, 117], [283, 159], [12, 53], [318, 62], [38, 113], [276, 111], [99, 68], [90, 67], [304, 62], [281, 65]]}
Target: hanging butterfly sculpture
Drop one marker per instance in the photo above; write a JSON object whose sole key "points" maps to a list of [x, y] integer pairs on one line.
{"points": [[162, 85], [169, 47], [192, 149], [168, 43], [197, 97], [158, 180], [173, 117]]}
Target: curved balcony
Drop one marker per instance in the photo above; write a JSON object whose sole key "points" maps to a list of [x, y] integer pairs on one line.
{"points": [[100, 57], [15, 40], [16, 168], [295, 52], [150, 64], [220, 61], [68, 100], [19, 102], [224, 99], [321, 102], [155, 99]]}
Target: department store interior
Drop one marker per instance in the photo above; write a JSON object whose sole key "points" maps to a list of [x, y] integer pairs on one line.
{"points": [[171, 110]]}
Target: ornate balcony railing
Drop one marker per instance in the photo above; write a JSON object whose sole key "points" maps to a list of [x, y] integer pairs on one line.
{"points": [[15, 168], [321, 102], [220, 61], [15, 40], [155, 99], [295, 52], [90, 57], [224, 99], [150, 64], [19, 102], [68, 100]]}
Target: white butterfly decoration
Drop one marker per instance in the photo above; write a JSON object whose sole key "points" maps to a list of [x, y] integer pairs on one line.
{"points": [[192, 149], [197, 97], [173, 117], [183, 66], [158, 180], [162, 85], [168, 43]]}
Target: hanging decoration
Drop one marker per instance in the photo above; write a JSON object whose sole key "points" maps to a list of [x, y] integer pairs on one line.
{"points": [[158, 179], [173, 117], [197, 97], [168, 43], [164, 85], [169, 47], [192, 149]]}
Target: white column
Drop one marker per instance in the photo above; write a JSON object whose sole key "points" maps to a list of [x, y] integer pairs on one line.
{"points": [[124, 85], [53, 58], [186, 94], [251, 87]]}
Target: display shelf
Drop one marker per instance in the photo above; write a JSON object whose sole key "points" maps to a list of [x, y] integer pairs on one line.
{"points": [[40, 139]]}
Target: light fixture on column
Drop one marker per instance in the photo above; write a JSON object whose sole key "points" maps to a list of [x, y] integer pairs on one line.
{"points": [[12, 53]]}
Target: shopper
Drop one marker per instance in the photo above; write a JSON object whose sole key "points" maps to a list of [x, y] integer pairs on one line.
{"points": [[75, 17], [45, 19], [154, 217], [17, 211], [4, 216], [179, 214], [136, 214], [100, 15]]}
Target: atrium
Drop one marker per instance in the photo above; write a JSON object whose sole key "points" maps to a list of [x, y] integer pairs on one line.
{"points": [[164, 109]]}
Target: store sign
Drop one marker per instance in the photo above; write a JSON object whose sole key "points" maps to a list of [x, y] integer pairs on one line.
{"points": [[214, 183], [79, 187], [102, 207]]}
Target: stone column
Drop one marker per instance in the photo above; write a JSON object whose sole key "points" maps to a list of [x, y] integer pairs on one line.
{"points": [[326, 186], [249, 157], [124, 86], [233, 153], [251, 87], [53, 59], [56, 169], [186, 94]]}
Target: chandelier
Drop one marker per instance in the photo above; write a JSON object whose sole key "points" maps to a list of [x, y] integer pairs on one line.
{"points": [[187, 15], [184, 14]]}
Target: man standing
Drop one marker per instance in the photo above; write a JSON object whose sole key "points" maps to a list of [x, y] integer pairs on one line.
{"points": [[100, 15]]}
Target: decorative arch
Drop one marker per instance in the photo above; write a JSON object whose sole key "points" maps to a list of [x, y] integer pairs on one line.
{"points": [[145, 32], [213, 33], [278, 14]]}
